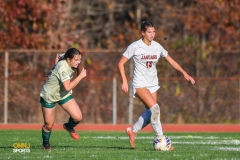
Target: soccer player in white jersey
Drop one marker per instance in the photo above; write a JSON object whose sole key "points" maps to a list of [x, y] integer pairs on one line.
{"points": [[58, 89], [146, 53]]}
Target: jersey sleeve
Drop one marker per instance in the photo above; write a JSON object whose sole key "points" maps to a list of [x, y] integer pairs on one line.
{"points": [[164, 53], [63, 76], [129, 52]]}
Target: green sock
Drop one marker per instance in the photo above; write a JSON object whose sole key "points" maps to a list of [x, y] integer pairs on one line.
{"points": [[46, 136], [71, 123]]}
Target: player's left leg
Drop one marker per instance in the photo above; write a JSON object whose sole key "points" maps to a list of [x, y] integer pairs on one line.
{"points": [[150, 101], [145, 118], [72, 108]]}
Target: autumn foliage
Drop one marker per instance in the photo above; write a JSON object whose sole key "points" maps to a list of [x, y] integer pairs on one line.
{"points": [[203, 36], [35, 24], [54, 24]]}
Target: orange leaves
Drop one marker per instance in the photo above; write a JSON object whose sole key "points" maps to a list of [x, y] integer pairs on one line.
{"points": [[27, 24]]}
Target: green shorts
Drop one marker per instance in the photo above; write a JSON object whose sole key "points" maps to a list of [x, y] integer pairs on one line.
{"points": [[51, 105]]}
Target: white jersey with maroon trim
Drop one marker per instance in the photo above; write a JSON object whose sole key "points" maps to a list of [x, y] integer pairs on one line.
{"points": [[145, 59]]}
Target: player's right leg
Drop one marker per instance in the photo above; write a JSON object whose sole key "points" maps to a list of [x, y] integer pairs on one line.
{"points": [[142, 122], [48, 110]]}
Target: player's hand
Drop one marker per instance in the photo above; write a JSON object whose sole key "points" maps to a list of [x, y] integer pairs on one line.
{"points": [[58, 56], [83, 73], [189, 78], [125, 87]]}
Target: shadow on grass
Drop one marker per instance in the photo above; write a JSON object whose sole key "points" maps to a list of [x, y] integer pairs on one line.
{"points": [[69, 147], [95, 147]]}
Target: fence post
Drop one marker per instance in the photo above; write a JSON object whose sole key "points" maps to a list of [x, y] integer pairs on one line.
{"points": [[114, 100], [6, 89], [130, 118]]}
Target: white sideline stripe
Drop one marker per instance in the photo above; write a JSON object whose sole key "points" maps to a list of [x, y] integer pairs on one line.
{"points": [[171, 137], [235, 142], [210, 140], [229, 148]]}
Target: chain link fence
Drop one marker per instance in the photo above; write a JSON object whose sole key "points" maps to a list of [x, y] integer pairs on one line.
{"points": [[23, 73]]}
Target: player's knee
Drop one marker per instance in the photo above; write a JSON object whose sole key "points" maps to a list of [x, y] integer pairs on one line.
{"points": [[77, 118], [49, 126]]}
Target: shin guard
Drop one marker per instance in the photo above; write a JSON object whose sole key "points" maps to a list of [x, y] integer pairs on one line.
{"points": [[155, 120], [71, 123]]}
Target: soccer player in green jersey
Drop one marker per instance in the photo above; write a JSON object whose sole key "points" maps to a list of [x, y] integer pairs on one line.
{"points": [[58, 89]]}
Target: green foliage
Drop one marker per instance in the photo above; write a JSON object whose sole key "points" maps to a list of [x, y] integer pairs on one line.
{"points": [[190, 40], [114, 145], [203, 55], [177, 45]]}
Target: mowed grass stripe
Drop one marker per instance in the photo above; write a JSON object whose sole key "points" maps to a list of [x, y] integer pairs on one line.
{"points": [[114, 145]]}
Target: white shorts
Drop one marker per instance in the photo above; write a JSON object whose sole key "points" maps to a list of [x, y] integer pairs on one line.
{"points": [[152, 89]]}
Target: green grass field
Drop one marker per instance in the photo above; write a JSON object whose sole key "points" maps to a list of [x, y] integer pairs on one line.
{"points": [[114, 145]]}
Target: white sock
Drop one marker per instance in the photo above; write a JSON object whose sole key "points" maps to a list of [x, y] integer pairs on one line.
{"points": [[155, 120], [142, 121]]}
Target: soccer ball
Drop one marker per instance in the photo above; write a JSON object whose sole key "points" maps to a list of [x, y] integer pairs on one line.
{"points": [[162, 143]]}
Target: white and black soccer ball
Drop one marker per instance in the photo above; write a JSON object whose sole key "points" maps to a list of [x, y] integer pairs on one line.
{"points": [[162, 143]]}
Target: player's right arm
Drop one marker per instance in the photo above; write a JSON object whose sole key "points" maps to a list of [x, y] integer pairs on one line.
{"points": [[58, 57], [121, 63]]}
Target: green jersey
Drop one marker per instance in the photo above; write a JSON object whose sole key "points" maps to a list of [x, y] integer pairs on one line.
{"points": [[53, 90]]}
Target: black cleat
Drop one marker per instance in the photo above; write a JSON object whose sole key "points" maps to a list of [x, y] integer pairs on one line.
{"points": [[46, 146]]}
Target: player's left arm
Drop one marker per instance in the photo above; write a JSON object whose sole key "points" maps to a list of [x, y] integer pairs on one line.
{"points": [[69, 85], [179, 68]]}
